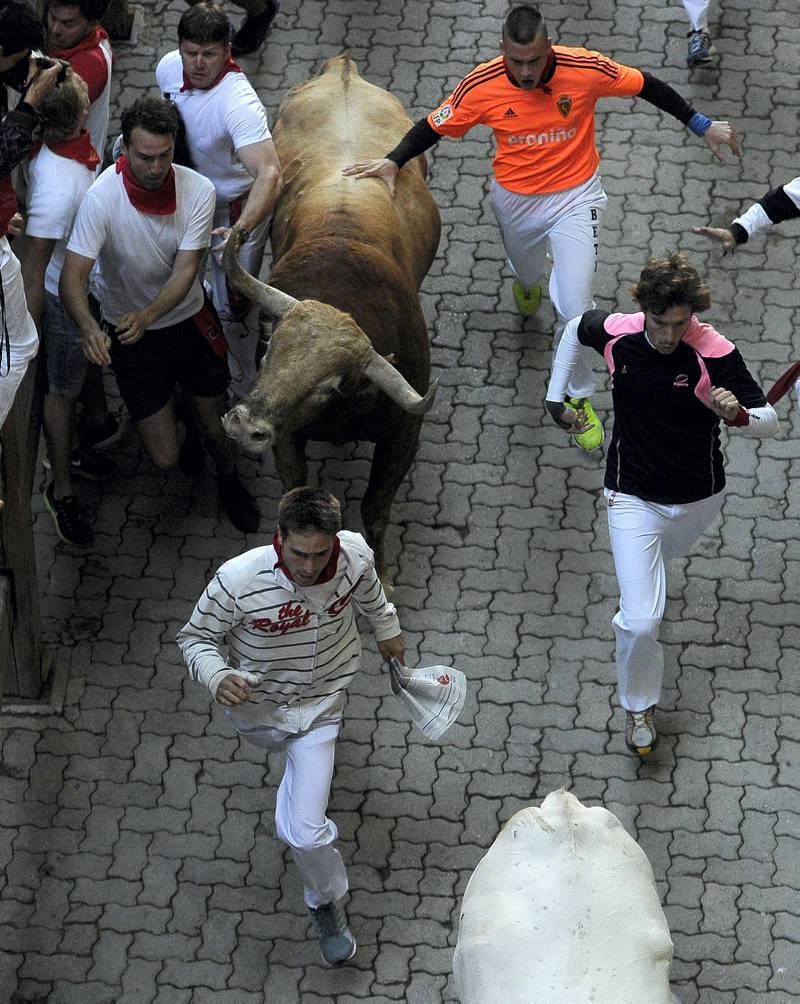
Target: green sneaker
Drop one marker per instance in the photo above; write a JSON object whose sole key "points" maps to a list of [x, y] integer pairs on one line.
{"points": [[527, 300], [592, 439]]}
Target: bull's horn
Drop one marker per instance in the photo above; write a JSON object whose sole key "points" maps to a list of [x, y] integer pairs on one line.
{"points": [[395, 385], [274, 301]]}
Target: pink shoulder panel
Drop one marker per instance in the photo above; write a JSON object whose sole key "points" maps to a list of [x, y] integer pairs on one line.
{"points": [[707, 341], [619, 325]]}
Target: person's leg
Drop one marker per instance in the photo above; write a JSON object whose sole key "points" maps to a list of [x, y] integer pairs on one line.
{"points": [[300, 815], [697, 12], [524, 233], [204, 377], [574, 239], [159, 435], [688, 523], [636, 528]]}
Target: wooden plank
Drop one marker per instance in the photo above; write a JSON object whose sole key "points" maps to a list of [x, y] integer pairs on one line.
{"points": [[7, 661], [17, 555]]}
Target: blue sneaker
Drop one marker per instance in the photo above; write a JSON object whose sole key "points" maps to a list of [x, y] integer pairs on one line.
{"points": [[700, 48]]}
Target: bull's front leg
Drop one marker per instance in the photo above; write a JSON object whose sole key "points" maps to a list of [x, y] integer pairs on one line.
{"points": [[290, 461], [391, 461]]}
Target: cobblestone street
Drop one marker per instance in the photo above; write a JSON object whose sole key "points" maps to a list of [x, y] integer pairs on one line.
{"points": [[137, 838]]}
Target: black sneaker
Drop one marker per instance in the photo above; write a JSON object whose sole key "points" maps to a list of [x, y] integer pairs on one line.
{"points": [[238, 503], [99, 437], [336, 942], [91, 466], [254, 30], [71, 527]]}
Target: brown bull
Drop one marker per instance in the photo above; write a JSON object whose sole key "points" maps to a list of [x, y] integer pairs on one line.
{"points": [[349, 261]]}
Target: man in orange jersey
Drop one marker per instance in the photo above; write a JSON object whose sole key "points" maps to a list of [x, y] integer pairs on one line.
{"points": [[539, 100]]}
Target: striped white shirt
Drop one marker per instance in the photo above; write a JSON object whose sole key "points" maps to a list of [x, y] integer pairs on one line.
{"points": [[298, 648]]}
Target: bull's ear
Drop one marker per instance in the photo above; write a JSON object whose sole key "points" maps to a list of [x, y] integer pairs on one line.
{"points": [[390, 358]]}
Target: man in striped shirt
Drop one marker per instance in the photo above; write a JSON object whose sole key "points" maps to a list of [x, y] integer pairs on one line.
{"points": [[274, 638], [673, 380], [539, 101]]}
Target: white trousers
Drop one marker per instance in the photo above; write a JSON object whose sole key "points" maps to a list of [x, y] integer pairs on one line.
{"points": [[300, 819], [241, 331], [643, 536], [21, 329], [697, 12], [567, 224]]}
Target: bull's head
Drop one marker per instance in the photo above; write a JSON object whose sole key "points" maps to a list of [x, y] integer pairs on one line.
{"points": [[315, 352]]}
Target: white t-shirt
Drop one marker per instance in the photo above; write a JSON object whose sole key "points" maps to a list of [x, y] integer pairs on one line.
{"points": [[135, 252], [56, 187], [219, 121]]}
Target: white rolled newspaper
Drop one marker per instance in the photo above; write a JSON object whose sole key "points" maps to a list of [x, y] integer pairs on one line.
{"points": [[433, 696]]}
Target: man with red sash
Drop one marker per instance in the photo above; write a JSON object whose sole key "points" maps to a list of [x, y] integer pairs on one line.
{"points": [[229, 142], [147, 223], [275, 640], [74, 35]]}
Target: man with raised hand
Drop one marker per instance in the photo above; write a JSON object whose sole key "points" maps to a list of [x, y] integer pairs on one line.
{"points": [[539, 100]]}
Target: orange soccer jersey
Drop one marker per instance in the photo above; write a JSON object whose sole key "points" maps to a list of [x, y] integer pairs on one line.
{"points": [[544, 137]]}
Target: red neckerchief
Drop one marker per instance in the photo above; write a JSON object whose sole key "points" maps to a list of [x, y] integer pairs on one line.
{"points": [[90, 41], [78, 148], [229, 67], [161, 202], [327, 572]]}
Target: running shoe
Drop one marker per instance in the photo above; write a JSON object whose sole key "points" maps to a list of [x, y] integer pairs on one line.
{"points": [[336, 942], [592, 439], [700, 49], [71, 527], [640, 731], [526, 299]]}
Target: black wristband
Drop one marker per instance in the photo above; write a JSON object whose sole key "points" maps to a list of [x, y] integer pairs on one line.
{"points": [[740, 235]]}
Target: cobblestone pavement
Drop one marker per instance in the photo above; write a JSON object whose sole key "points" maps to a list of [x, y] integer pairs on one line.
{"points": [[136, 831]]}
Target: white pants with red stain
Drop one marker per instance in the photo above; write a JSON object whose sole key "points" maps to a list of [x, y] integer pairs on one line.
{"points": [[643, 536], [567, 224], [23, 340], [240, 326], [302, 802]]}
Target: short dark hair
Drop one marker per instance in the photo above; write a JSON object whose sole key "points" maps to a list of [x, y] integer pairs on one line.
{"points": [[154, 115], [670, 281], [203, 24], [92, 10], [20, 28], [309, 510], [523, 25]]}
